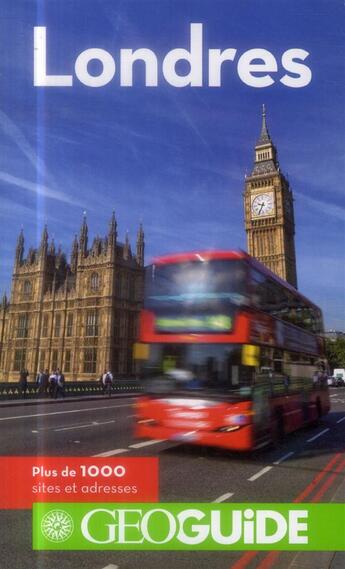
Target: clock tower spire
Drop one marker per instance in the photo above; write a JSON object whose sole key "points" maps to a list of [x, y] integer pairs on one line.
{"points": [[268, 206]]}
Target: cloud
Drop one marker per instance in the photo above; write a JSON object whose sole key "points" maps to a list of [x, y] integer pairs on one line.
{"points": [[38, 189], [325, 208], [18, 137]]}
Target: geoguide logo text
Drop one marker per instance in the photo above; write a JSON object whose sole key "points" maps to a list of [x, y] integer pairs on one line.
{"points": [[188, 526]]}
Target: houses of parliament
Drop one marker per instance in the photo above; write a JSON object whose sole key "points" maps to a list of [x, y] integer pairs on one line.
{"points": [[82, 316]]}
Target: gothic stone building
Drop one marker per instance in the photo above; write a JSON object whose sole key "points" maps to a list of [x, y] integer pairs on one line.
{"points": [[81, 317], [269, 214]]}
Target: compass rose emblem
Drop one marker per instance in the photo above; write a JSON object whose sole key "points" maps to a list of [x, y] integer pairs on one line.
{"points": [[57, 526]]}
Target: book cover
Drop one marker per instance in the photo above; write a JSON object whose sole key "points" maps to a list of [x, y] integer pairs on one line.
{"points": [[172, 326]]}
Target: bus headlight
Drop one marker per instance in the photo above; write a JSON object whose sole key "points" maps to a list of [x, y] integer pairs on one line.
{"points": [[228, 428]]}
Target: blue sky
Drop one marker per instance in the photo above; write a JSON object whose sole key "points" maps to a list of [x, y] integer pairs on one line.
{"points": [[174, 158]]}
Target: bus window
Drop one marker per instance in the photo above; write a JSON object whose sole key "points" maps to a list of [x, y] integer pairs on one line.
{"points": [[204, 366]]}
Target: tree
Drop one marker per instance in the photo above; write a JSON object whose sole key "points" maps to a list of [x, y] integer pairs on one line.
{"points": [[335, 353]]}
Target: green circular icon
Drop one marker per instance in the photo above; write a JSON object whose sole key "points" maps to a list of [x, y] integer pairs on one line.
{"points": [[57, 526]]}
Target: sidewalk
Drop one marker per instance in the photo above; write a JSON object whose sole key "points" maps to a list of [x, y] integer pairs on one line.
{"points": [[71, 399]]}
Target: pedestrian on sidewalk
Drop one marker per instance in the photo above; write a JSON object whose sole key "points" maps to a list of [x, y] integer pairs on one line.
{"points": [[52, 384], [42, 381], [59, 384], [107, 382], [101, 380], [23, 382], [45, 381], [39, 380]]}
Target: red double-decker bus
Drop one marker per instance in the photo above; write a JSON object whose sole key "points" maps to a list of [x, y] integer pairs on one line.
{"points": [[231, 355]]}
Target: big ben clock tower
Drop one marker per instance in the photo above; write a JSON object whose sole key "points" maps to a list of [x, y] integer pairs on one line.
{"points": [[269, 215]]}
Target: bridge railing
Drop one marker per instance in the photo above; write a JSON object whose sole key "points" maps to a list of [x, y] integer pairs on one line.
{"points": [[12, 390]]}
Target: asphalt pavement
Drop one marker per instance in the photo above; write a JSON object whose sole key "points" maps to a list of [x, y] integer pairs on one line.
{"points": [[103, 427]]}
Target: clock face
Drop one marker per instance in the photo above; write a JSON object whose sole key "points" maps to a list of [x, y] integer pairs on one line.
{"points": [[263, 204]]}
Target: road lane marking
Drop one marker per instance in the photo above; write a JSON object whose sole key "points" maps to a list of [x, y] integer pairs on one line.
{"points": [[147, 443], [341, 420], [74, 426], [61, 412], [93, 424], [328, 482], [334, 395], [244, 560], [311, 487], [260, 473], [223, 497], [111, 452], [247, 557], [260, 445], [111, 566], [280, 460], [318, 435], [270, 558]]}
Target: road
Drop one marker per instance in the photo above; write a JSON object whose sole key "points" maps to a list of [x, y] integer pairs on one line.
{"points": [[187, 474]]}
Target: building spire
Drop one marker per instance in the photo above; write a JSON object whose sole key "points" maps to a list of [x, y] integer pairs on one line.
{"points": [[266, 158], [264, 135], [74, 255], [140, 246], [52, 248], [44, 241], [126, 248], [83, 236], [20, 247], [112, 235]]}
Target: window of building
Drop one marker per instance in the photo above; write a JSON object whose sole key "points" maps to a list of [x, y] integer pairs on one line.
{"points": [[57, 326], [91, 328], [132, 326], [124, 286], [45, 326], [94, 281], [67, 367], [90, 360], [19, 360], [115, 361], [139, 289], [131, 287], [123, 326], [23, 328], [116, 329], [42, 359], [55, 355], [69, 327], [27, 289]]}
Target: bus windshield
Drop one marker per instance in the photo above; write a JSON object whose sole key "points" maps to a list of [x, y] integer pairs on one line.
{"points": [[209, 367], [195, 284]]}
